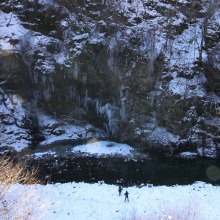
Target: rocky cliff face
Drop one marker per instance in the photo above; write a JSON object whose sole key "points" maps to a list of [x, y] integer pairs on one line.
{"points": [[146, 72]]}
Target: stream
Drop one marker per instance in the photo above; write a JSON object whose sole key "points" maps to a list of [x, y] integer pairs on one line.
{"points": [[157, 170]]}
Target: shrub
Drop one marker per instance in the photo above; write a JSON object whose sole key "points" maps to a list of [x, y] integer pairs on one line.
{"points": [[19, 198], [185, 210]]}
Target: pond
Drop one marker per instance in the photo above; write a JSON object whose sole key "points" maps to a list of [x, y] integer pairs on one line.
{"points": [[159, 170]]}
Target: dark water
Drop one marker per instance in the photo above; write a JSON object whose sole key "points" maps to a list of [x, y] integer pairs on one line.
{"points": [[157, 171]]}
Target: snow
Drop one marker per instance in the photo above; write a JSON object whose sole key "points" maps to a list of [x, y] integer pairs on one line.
{"points": [[188, 154], [182, 51], [93, 147], [162, 136], [11, 29], [70, 132], [12, 109], [104, 147], [49, 152], [183, 86], [8, 31], [99, 201], [81, 37], [81, 201]]}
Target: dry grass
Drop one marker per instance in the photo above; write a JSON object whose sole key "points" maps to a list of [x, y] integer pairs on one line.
{"points": [[186, 210], [19, 197]]}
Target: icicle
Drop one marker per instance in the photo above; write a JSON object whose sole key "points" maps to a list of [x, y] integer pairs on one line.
{"points": [[123, 109], [97, 106], [52, 88], [106, 127], [112, 49], [46, 95], [154, 118], [86, 99], [35, 77], [152, 99], [75, 70], [36, 95], [84, 79], [43, 79], [121, 92]]}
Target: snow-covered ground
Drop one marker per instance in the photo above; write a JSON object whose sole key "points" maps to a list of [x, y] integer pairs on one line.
{"points": [[100, 201], [104, 147], [94, 148], [82, 201]]}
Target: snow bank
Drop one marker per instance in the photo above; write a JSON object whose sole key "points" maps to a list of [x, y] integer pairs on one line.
{"points": [[81, 201]]}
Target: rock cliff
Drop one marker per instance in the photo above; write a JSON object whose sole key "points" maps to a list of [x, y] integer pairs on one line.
{"points": [[145, 72]]}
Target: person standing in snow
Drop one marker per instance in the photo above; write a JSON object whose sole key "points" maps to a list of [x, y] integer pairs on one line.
{"points": [[119, 190], [126, 196]]}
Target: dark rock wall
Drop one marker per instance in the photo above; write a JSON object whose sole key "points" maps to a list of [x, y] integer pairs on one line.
{"points": [[113, 75]]}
